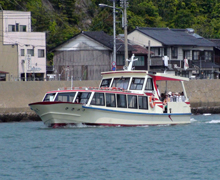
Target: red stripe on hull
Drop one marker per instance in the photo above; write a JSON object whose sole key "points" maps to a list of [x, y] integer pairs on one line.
{"points": [[58, 125]]}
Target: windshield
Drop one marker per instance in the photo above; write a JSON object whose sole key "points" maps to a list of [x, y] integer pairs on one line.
{"points": [[49, 97], [121, 83], [105, 82]]}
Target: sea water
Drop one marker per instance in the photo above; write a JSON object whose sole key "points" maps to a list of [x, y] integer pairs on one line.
{"points": [[30, 150]]}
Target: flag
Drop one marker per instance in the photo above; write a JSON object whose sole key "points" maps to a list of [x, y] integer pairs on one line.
{"points": [[186, 65]]}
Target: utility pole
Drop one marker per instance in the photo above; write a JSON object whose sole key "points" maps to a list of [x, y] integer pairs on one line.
{"points": [[148, 58], [124, 4], [114, 37]]}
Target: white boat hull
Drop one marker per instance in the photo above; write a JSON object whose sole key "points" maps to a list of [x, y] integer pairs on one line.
{"points": [[61, 114]]}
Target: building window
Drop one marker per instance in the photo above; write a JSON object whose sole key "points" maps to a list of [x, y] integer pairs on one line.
{"points": [[40, 53], [196, 55], [120, 60], [165, 51], [30, 51], [186, 55], [22, 52], [22, 28], [208, 55], [11, 28], [140, 61], [174, 52], [156, 50]]}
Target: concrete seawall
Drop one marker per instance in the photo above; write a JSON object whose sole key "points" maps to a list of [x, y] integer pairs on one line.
{"points": [[15, 96]]}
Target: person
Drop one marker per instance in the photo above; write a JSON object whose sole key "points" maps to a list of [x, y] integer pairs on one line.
{"points": [[173, 97], [170, 96], [162, 97], [179, 98], [182, 96], [165, 101]]}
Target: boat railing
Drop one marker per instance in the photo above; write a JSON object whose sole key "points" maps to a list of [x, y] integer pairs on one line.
{"points": [[94, 88]]}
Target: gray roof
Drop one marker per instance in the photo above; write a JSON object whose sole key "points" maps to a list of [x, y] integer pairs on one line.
{"points": [[107, 40], [176, 37], [102, 38], [216, 41]]}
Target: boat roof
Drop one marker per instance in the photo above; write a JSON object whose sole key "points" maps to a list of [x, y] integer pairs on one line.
{"points": [[141, 73]]}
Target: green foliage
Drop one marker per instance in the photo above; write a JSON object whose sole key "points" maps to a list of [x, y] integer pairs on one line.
{"points": [[62, 19]]}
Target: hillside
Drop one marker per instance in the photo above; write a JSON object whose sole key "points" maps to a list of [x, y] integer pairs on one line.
{"points": [[62, 19]]}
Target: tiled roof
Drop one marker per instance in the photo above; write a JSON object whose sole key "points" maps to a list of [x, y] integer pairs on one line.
{"points": [[106, 40], [216, 41], [175, 37], [139, 50]]}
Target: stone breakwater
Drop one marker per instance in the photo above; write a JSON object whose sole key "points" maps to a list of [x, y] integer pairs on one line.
{"points": [[15, 96]]}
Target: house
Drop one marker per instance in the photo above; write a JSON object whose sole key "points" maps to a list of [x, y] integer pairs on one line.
{"points": [[141, 53], [23, 52], [86, 55], [177, 45]]}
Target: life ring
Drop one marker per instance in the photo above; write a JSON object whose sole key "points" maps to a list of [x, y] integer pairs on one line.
{"points": [[114, 88], [152, 102]]}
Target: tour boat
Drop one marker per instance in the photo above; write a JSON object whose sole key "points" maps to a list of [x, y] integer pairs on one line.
{"points": [[124, 98]]}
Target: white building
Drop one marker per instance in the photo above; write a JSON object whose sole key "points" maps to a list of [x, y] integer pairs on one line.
{"points": [[22, 52]]}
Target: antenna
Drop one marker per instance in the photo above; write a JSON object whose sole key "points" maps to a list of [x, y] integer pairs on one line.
{"points": [[129, 68]]}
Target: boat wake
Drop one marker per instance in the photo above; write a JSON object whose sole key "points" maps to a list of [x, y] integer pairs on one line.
{"points": [[213, 121], [207, 114], [192, 120]]}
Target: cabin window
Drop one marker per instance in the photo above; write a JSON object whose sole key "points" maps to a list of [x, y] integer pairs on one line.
{"points": [[132, 101], [82, 97], [137, 83], [110, 100], [105, 82], [121, 82], [98, 99], [121, 101], [142, 102], [49, 97], [65, 97], [149, 84]]}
